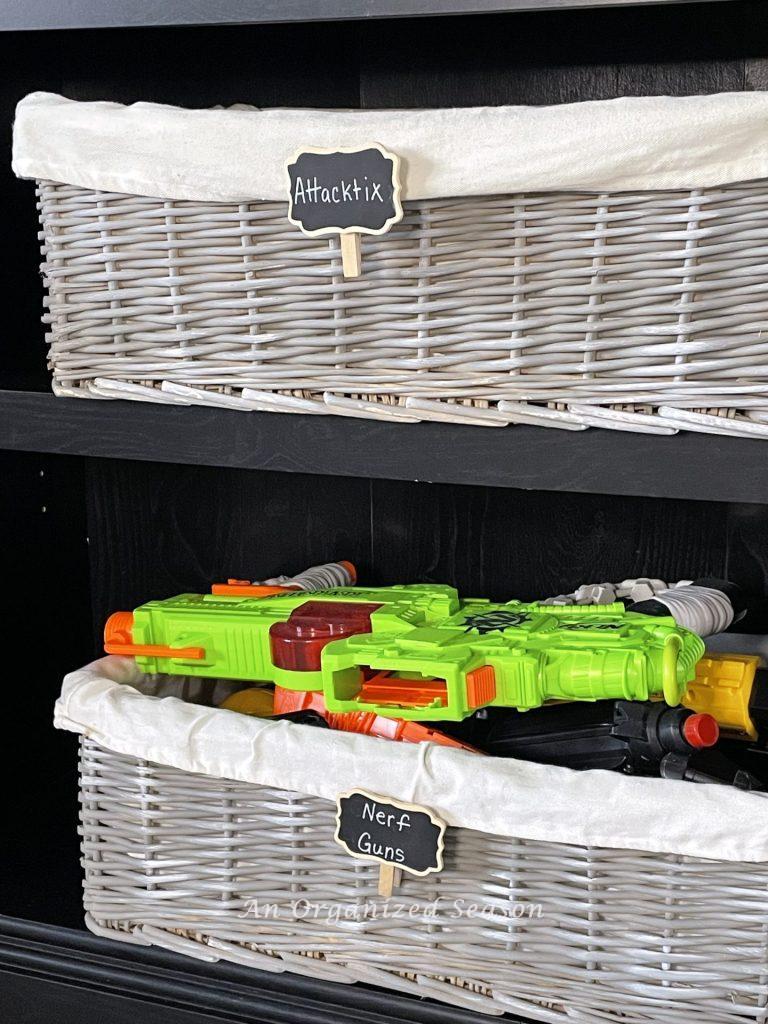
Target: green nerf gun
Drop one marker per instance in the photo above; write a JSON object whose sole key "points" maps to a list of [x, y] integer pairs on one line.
{"points": [[416, 652]]}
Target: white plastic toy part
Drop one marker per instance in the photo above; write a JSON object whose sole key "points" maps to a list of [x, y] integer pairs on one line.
{"points": [[317, 577]]}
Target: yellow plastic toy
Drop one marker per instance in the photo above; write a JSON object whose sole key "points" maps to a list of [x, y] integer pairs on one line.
{"points": [[256, 700], [727, 687]]}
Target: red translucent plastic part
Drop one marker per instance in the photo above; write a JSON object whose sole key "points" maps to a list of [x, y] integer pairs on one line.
{"points": [[701, 731], [297, 644]]}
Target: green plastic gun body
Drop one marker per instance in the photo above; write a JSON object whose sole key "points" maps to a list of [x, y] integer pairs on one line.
{"points": [[414, 652]]}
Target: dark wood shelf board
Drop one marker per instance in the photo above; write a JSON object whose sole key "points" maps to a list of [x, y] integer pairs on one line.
{"points": [[695, 466], [42, 14], [48, 974]]}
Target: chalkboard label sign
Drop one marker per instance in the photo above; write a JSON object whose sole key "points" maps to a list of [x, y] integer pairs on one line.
{"points": [[344, 190], [388, 832]]}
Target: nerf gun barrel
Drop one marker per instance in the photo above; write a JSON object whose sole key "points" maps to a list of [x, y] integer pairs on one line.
{"points": [[416, 652], [628, 736]]}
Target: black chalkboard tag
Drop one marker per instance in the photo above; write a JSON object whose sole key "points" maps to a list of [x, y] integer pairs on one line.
{"points": [[347, 191], [398, 836]]}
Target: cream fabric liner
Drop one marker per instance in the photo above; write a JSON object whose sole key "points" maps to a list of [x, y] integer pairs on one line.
{"points": [[104, 701], [239, 153]]}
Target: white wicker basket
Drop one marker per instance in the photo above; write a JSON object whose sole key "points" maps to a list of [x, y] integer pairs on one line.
{"points": [[632, 309], [211, 833], [218, 869]]}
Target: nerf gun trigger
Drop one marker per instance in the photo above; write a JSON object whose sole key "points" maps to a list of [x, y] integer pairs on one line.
{"points": [[118, 639]]}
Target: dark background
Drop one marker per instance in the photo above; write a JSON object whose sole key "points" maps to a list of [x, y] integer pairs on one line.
{"points": [[83, 537]]}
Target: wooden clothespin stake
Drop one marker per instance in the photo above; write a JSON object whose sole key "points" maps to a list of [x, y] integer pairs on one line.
{"points": [[389, 878], [351, 264], [398, 837], [344, 191]]}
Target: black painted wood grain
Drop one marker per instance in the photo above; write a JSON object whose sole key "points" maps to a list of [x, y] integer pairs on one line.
{"points": [[695, 466], [45, 631], [60, 976], [565, 56], [158, 530], [531, 545]]}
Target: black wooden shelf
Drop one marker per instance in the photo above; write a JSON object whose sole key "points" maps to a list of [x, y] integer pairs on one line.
{"points": [[687, 465], [49, 973], [42, 14]]}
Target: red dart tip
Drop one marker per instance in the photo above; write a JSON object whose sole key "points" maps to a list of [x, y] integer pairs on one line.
{"points": [[701, 730]]}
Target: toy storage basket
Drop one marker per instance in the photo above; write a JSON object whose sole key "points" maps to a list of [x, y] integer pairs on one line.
{"points": [[538, 913], [594, 264]]}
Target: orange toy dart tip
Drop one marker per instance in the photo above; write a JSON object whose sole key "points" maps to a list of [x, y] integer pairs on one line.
{"points": [[351, 570]]}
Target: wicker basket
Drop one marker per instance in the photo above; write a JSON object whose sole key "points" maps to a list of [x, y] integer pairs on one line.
{"points": [[220, 869], [470, 309], [211, 833], [637, 310]]}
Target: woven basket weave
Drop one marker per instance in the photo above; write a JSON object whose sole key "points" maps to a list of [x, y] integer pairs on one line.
{"points": [[220, 869], [641, 311]]}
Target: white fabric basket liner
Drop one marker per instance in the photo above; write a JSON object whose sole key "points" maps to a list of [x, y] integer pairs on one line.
{"points": [[239, 154], [114, 704]]}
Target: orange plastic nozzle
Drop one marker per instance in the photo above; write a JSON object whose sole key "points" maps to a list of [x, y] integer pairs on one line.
{"points": [[118, 629], [118, 639], [701, 730]]}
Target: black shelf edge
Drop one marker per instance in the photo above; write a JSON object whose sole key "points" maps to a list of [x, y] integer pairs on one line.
{"points": [[54, 974], [42, 14], [696, 466]]}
